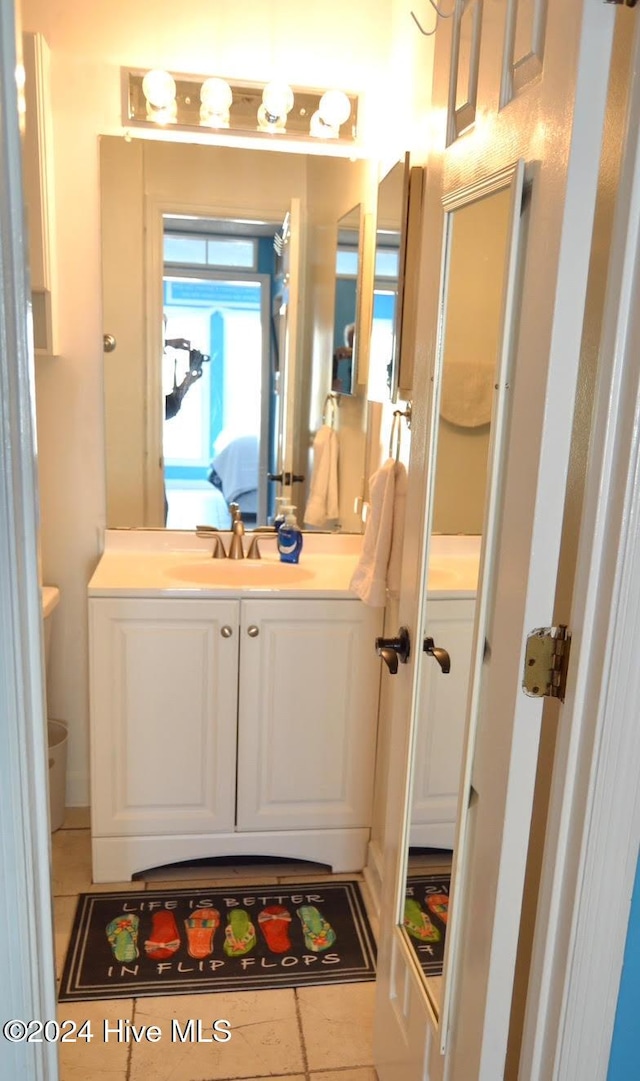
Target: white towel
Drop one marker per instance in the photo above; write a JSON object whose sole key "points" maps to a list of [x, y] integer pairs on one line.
{"points": [[394, 570], [378, 567], [322, 505]]}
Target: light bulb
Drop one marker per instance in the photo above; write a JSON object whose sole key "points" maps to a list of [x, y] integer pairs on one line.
{"points": [[159, 88], [267, 122], [321, 130], [277, 99], [216, 96], [334, 108]]}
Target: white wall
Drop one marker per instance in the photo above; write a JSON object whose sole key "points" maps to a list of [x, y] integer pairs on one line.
{"points": [[318, 43]]}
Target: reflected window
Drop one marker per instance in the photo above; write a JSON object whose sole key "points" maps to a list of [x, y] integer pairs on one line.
{"points": [[213, 251]]}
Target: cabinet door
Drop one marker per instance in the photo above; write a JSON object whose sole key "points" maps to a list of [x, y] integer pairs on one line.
{"points": [[308, 714], [164, 679], [442, 703]]}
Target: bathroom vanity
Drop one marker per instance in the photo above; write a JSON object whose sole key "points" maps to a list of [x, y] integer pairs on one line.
{"points": [[233, 705]]}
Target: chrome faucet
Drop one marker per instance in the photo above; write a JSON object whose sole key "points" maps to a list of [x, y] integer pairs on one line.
{"points": [[218, 546], [236, 550]]}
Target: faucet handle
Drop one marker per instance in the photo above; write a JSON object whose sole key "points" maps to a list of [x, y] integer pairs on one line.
{"points": [[213, 532], [254, 547]]}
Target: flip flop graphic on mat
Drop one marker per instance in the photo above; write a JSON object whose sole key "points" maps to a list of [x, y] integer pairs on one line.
{"points": [[164, 939], [122, 933], [240, 934], [274, 923], [318, 934], [438, 905], [200, 928], [418, 923]]}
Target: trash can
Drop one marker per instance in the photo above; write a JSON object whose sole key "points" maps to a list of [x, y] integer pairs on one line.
{"points": [[58, 737]]}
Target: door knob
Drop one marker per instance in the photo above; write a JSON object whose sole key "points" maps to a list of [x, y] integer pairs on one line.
{"points": [[440, 654], [393, 650], [253, 631], [108, 343]]}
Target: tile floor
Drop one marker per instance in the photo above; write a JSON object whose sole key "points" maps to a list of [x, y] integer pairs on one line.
{"points": [[302, 1034]]}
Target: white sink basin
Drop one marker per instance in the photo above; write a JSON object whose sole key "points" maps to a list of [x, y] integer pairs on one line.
{"points": [[241, 573]]}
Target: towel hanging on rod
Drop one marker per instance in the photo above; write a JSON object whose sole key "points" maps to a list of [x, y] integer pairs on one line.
{"points": [[395, 437]]}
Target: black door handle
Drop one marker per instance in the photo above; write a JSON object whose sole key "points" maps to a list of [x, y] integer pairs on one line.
{"points": [[393, 650], [440, 654], [286, 478]]}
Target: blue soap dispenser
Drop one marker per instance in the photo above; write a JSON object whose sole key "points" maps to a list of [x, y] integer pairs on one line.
{"points": [[289, 538]]}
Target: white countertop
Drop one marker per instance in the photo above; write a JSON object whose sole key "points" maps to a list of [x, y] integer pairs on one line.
{"points": [[162, 563]]}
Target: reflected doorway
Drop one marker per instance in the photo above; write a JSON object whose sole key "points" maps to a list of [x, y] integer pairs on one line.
{"points": [[217, 371]]}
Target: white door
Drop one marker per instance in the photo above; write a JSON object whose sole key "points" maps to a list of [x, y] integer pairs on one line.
{"points": [[440, 712], [163, 716], [307, 714], [549, 76]]}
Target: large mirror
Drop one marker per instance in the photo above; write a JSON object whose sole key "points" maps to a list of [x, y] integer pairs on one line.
{"points": [[467, 437], [220, 290]]}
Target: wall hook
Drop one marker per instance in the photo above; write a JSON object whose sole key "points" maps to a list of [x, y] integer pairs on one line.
{"points": [[427, 33], [439, 15], [442, 14]]}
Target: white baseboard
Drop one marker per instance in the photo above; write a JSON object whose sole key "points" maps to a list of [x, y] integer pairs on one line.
{"points": [[77, 790], [373, 875]]}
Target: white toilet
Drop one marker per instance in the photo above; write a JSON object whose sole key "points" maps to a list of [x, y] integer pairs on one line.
{"points": [[56, 730]]}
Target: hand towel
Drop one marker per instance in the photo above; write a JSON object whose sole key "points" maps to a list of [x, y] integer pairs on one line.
{"points": [[394, 569], [369, 579], [322, 504]]}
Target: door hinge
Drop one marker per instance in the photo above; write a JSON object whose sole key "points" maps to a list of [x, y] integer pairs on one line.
{"points": [[545, 662]]}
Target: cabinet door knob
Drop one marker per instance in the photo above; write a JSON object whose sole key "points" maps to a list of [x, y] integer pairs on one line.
{"points": [[253, 631], [226, 631]]}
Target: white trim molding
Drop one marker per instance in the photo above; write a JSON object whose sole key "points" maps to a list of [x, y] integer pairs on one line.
{"points": [[27, 987]]}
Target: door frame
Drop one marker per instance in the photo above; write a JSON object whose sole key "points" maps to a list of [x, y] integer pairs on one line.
{"points": [[28, 987]]}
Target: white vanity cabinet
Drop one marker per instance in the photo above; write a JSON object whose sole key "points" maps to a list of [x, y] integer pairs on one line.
{"points": [[307, 714], [441, 716], [231, 727]]}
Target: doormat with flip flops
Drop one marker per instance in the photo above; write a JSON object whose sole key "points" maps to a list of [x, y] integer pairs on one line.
{"points": [[247, 938], [426, 908]]}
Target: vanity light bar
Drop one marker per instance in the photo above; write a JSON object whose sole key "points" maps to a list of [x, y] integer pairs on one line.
{"points": [[246, 111]]}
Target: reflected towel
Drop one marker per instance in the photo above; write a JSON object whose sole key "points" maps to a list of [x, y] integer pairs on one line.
{"points": [[322, 504], [394, 569], [378, 567], [467, 393]]}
